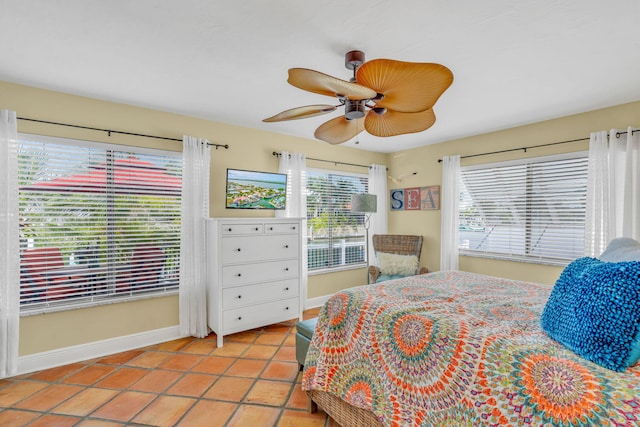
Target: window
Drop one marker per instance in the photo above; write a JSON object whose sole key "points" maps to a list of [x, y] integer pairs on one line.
{"points": [[335, 235], [97, 222], [530, 210]]}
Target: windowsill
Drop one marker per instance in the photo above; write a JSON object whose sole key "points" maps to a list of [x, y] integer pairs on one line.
{"points": [[336, 269], [94, 303], [528, 260]]}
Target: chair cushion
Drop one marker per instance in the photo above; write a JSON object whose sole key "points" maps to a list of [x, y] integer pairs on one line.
{"points": [[390, 264], [385, 277]]}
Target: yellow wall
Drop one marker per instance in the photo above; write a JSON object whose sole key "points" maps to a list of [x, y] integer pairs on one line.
{"points": [[251, 149], [424, 161], [72, 327]]}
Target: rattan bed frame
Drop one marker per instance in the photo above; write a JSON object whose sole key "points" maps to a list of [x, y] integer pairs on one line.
{"points": [[343, 413]]}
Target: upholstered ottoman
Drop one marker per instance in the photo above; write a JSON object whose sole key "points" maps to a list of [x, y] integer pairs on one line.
{"points": [[304, 333]]}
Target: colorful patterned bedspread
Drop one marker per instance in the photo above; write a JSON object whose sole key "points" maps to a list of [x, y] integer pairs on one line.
{"points": [[460, 349]]}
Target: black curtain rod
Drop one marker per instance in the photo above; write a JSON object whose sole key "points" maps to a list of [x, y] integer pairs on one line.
{"points": [[276, 154], [521, 148], [618, 134], [109, 131]]}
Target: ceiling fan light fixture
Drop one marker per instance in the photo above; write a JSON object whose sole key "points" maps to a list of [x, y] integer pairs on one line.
{"points": [[354, 109]]}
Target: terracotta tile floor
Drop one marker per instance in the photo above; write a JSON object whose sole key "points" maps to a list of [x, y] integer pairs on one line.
{"points": [[253, 380]]}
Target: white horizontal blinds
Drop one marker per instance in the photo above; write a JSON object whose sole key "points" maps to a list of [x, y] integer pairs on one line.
{"points": [[146, 222], [336, 235], [97, 222], [527, 210]]}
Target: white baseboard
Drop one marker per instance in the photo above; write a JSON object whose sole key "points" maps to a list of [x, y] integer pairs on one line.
{"points": [[316, 302], [92, 350]]}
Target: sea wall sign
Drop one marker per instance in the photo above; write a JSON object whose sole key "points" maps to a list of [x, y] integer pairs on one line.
{"points": [[415, 198]]}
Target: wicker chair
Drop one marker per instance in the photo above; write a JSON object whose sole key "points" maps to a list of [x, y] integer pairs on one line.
{"points": [[400, 244]]}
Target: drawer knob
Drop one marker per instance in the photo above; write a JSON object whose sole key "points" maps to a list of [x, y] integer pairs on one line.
{"points": [[239, 296], [239, 274], [286, 289], [228, 229], [293, 228], [286, 246], [270, 228], [257, 229], [239, 317], [286, 308], [239, 249], [286, 269]]}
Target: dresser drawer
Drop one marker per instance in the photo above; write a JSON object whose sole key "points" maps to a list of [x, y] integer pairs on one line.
{"points": [[241, 274], [259, 248], [242, 229], [244, 318], [256, 294], [281, 228]]}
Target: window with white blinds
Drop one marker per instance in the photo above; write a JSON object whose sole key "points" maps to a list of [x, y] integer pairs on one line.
{"points": [[530, 210], [336, 237], [97, 222]]}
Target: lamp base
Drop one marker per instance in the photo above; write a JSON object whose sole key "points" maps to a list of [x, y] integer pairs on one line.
{"points": [[366, 246]]}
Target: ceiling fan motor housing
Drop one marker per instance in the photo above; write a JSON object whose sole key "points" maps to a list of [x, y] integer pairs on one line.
{"points": [[354, 109]]}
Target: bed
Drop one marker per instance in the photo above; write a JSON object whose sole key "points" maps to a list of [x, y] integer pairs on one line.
{"points": [[458, 349]]}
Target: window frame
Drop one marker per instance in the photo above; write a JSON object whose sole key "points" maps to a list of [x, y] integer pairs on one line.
{"points": [[530, 218], [94, 300], [359, 217]]}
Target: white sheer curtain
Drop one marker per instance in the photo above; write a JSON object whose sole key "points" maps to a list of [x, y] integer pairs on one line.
{"points": [[295, 166], [193, 242], [379, 220], [450, 195], [597, 204], [613, 189], [10, 246]]}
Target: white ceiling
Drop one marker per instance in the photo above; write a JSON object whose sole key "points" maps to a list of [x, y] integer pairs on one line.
{"points": [[514, 61]]}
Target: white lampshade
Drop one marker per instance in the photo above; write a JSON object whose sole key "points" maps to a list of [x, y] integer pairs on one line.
{"points": [[364, 203]]}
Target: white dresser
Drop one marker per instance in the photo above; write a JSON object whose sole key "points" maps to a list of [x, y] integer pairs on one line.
{"points": [[255, 273]]}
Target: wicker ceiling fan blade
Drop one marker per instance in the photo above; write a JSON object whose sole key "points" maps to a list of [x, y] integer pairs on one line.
{"points": [[339, 130], [407, 87], [392, 123], [324, 84], [302, 112]]}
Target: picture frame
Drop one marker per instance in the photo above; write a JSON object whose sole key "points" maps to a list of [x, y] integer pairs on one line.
{"points": [[415, 198]]}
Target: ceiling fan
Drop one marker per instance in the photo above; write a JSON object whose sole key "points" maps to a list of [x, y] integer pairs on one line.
{"points": [[385, 97]]}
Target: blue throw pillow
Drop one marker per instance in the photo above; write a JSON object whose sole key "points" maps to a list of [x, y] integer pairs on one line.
{"points": [[594, 310]]}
